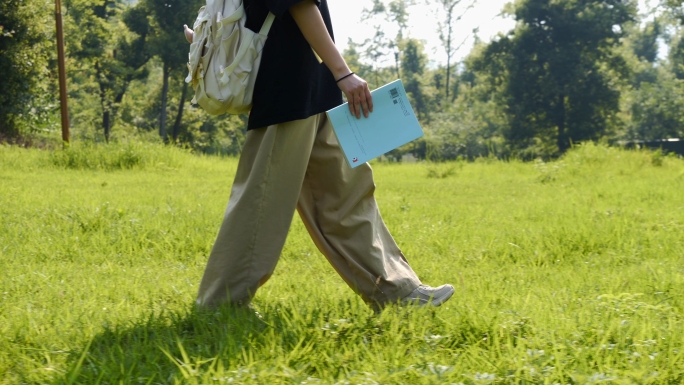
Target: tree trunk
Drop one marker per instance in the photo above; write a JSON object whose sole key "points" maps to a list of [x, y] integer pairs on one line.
{"points": [[114, 109], [562, 136], [164, 98], [106, 125], [179, 117], [449, 53], [109, 110], [448, 74]]}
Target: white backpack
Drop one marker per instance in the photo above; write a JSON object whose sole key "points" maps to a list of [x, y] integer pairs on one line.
{"points": [[224, 57]]}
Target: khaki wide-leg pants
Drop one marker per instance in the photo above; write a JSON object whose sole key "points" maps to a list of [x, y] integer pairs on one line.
{"points": [[300, 165]]}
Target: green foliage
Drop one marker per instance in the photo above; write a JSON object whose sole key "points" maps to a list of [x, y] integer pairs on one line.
{"points": [[657, 109], [122, 156], [378, 48], [113, 42], [557, 62], [213, 134], [571, 71], [107, 40], [571, 278], [448, 15], [472, 125], [441, 170], [27, 53], [413, 62], [645, 42], [653, 94], [657, 158], [353, 58], [677, 57], [167, 18], [676, 8]]}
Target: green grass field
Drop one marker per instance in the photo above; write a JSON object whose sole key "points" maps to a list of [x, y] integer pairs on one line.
{"points": [[568, 272]]}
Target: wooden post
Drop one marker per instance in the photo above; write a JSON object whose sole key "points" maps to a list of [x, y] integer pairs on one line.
{"points": [[64, 108]]}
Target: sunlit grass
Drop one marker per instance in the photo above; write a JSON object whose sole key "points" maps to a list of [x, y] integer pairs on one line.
{"points": [[566, 272]]}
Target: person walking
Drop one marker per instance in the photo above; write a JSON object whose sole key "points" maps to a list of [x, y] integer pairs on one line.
{"points": [[291, 160]]}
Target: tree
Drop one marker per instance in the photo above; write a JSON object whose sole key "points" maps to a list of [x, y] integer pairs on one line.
{"points": [[396, 12], [107, 39], [26, 48], [657, 109], [353, 58], [374, 50], [131, 53], [558, 64], [445, 28], [654, 97], [645, 41], [675, 7], [413, 66], [167, 42]]}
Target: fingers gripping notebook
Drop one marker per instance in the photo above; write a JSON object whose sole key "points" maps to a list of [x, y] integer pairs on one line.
{"points": [[391, 124]]}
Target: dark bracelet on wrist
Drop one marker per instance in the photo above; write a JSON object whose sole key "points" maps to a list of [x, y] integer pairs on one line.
{"points": [[343, 77]]}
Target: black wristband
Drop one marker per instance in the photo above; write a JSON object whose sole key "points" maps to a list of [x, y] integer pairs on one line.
{"points": [[343, 77]]}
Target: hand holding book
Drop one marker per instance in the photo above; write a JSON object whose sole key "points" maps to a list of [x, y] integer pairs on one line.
{"points": [[393, 124], [358, 95]]}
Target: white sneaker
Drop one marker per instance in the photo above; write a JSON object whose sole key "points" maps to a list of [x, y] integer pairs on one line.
{"points": [[425, 295]]}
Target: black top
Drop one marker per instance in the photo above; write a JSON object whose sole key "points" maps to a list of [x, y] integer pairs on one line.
{"points": [[291, 84]]}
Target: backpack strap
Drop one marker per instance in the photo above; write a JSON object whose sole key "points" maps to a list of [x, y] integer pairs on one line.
{"points": [[267, 24]]}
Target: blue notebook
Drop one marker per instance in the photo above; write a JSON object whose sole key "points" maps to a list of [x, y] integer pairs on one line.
{"points": [[391, 124]]}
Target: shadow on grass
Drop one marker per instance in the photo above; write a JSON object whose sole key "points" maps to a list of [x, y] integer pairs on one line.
{"points": [[161, 348], [290, 342]]}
